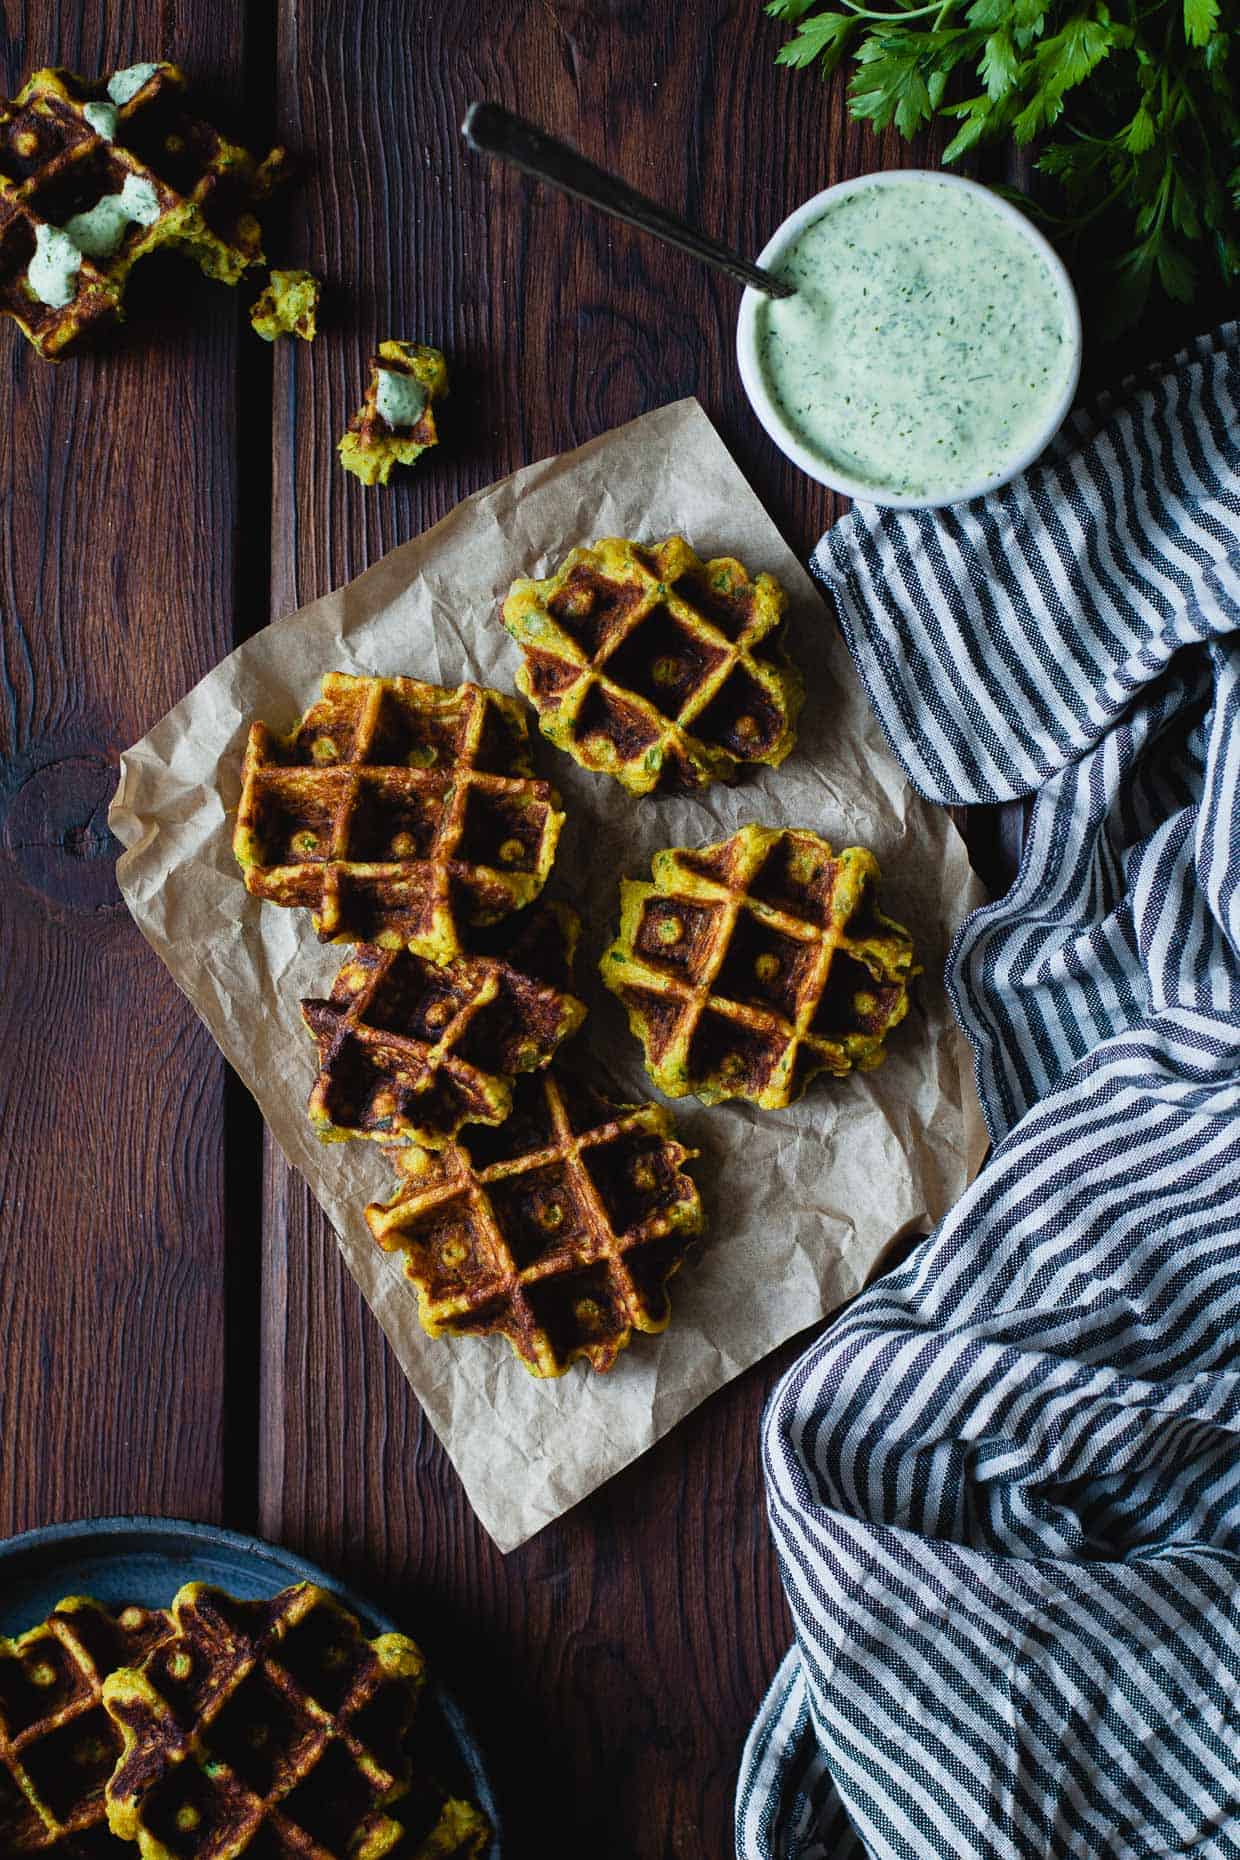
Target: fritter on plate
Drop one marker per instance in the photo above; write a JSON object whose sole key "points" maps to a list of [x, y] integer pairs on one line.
{"points": [[270, 1728], [58, 1745]]}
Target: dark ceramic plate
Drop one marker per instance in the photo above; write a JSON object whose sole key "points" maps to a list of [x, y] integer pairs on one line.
{"points": [[146, 1560]]}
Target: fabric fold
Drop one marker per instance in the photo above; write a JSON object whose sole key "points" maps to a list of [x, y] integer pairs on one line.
{"points": [[1005, 1487]]}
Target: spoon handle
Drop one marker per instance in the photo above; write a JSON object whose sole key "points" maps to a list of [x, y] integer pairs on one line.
{"points": [[491, 130]]}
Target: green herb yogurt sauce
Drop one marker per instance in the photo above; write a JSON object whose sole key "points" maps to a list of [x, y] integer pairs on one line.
{"points": [[52, 274], [928, 343], [122, 85], [399, 398], [102, 119], [58, 250], [99, 230]]}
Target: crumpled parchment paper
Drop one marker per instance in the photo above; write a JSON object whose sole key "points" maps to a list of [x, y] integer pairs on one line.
{"points": [[802, 1202]]}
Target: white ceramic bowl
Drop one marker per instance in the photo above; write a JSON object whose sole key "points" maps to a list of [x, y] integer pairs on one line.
{"points": [[771, 414]]}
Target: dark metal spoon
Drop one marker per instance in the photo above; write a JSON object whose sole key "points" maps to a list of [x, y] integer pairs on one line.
{"points": [[491, 130]]}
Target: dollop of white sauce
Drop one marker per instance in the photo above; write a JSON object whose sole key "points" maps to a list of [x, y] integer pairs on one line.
{"points": [[928, 343], [53, 269], [400, 399], [122, 85], [99, 230], [102, 119], [59, 250]]}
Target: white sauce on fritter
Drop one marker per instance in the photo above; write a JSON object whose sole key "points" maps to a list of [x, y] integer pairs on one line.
{"points": [[102, 119], [53, 271], [400, 399], [122, 85], [59, 250], [99, 230]]}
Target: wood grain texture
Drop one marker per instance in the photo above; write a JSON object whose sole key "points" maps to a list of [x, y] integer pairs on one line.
{"points": [[116, 594], [150, 498], [182, 1336], [613, 1664]]}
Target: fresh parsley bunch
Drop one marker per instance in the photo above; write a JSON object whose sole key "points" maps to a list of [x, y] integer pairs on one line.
{"points": [[1131, 104]]}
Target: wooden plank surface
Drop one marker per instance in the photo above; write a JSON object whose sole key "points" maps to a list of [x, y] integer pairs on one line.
{"points": [[117, 570], [614, 1663], [182, 1337]]}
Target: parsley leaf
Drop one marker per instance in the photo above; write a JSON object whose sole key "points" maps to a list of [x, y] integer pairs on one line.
{"points": [[1131, 104], [1200, 19], [824, 37], [1000, 65]]}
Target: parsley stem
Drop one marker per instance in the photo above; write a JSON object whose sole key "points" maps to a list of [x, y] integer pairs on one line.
{"points": [[901, 13], [1074, 222]]}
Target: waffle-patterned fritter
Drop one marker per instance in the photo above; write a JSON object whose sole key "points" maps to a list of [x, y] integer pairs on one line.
{"points": [[410, 1050], [395, 423], [270, 1729], [650, 665], [95, 174], [751, 965], [287, 306], [433, 1826], [559, 1229], [57, 1744], [398, 813]]}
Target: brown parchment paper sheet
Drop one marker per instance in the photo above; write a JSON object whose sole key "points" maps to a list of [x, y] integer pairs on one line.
{"points": [[801, 1202]]}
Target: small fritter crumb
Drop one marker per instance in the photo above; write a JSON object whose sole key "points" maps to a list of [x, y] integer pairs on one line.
{"points": [[287, 307]]}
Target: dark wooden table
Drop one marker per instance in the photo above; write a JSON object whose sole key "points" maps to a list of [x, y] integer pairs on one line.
{"points": [[181, 1335]]}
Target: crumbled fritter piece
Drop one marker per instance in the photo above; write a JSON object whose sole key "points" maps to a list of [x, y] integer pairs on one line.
{"points": [[395, 424], [287, 306]]}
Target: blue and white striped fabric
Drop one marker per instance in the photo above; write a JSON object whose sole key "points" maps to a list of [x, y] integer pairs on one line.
{"points": [[1005, 1486]]}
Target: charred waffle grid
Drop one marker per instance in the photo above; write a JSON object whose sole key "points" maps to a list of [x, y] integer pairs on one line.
{"points": [[412, 1050], [559, 1230], [751, 965], [55, 165], [655, 667], [263, 1716], [57, 1744], [397, 812]]}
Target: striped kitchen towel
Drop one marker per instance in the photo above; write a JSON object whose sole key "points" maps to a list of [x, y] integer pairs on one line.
{"points": [[1005, 1486]]}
